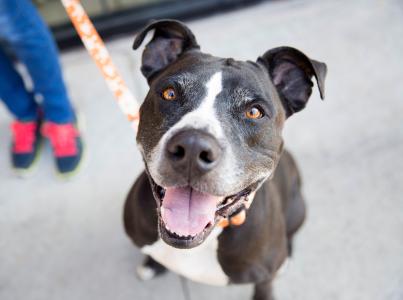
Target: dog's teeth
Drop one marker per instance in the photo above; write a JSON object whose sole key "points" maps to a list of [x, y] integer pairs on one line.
{"points": [[162, 209], [229, 201], [179, 235]]}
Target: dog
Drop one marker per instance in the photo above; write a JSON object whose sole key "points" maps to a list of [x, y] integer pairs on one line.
{"points": [[210, 137]]}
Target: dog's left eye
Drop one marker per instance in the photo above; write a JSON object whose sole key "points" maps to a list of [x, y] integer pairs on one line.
{"points": [[254, 112], [169, 94]]}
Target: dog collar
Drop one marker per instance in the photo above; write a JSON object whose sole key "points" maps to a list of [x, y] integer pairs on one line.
{"points": [[239, 218]]}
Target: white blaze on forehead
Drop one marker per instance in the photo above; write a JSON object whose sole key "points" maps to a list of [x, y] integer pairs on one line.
{"points": [[205, 115], [214, 87]]}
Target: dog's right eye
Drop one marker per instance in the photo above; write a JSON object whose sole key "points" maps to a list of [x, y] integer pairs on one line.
{"points": [[254, 112], [169, 94]]}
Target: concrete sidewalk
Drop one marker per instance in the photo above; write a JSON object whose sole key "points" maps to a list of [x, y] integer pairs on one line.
{"points": [[65, 240]]}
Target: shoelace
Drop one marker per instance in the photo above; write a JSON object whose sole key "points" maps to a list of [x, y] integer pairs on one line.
{"points": [[24, 136], [62, 137]]}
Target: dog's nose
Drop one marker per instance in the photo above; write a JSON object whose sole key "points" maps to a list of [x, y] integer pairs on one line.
{"points": [[193, 151]]}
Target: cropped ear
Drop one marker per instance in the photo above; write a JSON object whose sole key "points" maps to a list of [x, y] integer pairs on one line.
{"points": [[291, 72], [171, 38]]}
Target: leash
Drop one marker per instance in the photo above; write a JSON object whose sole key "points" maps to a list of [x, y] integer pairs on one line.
{"points": [[185, 288], [97, 50]]}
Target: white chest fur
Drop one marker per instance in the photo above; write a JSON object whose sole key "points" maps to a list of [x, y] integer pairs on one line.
{"points": [[198, 264]]}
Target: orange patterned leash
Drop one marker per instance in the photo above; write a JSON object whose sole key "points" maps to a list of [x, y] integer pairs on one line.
{"points": [[96, 48]]}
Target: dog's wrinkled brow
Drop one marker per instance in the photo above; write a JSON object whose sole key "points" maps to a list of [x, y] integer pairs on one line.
{"points": [[243, 96], [185, 79]]}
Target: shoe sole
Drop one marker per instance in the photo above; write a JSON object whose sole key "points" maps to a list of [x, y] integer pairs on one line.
{"points": [[80, 124], [73, 173], [25, 173]]}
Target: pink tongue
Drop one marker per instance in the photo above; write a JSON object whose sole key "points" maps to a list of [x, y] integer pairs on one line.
{"points": [[186, 211]]}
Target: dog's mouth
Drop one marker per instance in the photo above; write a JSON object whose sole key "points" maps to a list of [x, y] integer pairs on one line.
{"points": [[187, 216]]}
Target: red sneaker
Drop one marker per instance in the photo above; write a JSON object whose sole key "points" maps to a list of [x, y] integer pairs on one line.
{"points": [[26, 144], [66, 143]]}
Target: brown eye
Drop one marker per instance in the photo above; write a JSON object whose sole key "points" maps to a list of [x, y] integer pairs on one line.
{"points": [[169, 94], [254, 113]]}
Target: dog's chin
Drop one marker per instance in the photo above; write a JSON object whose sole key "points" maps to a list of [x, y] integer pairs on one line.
{"points": [[186, 216]]}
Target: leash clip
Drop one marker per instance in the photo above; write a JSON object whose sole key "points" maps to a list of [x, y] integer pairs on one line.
{"points": [[237, 218]]}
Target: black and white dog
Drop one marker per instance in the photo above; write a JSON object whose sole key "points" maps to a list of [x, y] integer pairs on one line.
{"points": [[210, 136]]}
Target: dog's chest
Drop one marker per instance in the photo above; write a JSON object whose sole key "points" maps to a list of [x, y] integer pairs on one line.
{"points": [[198, 264]]}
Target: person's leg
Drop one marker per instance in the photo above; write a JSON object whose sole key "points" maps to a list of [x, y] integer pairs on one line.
{"points": [[25, 129], [30, 40], [13, 93]]}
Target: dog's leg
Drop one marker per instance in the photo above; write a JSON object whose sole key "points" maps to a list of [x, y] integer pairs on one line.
{"points": [[263, 291], [150, 269], [288, 180], [295, 214]]}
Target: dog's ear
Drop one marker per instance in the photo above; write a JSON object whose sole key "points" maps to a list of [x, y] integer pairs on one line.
{"points": [[171, 39], [291, 72]]}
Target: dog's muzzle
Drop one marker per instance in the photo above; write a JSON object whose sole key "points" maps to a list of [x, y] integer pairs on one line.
{"points": [[192, 153]]}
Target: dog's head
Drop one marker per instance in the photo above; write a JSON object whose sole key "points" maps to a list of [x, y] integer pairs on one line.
{"points": [[210, 127]]}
